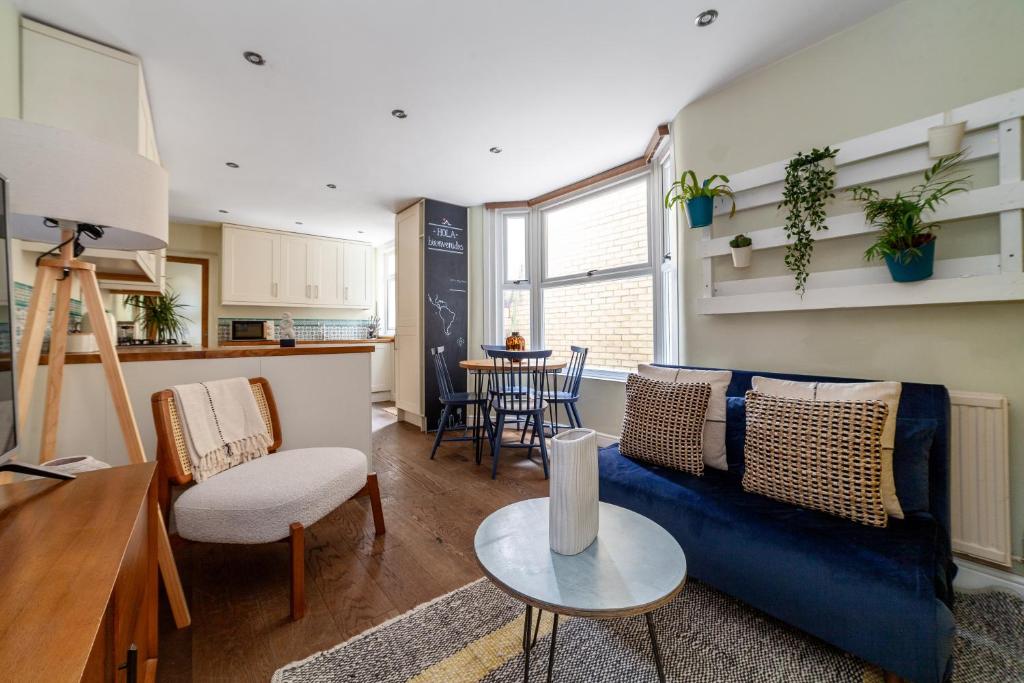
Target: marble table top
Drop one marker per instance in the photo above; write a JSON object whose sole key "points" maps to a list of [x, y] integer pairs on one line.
{"points": [[633, 567]]}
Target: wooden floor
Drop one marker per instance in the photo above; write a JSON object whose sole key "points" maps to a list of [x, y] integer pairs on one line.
{"points": [[239, 594]]}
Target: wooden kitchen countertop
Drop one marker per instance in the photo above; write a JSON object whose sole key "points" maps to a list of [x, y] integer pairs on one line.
{"points": [[306, 342], [151, 353]]}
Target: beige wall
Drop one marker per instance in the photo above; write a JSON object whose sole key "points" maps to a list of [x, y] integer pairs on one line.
{"points": [[916, 59], [10, 61], [475, 286], [204, 240]]}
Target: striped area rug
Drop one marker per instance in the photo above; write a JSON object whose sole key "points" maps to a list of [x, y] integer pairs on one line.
{"points": [[475, 634]]}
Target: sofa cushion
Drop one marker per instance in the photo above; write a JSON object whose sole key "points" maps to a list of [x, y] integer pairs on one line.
{"points": [[914, 437], [825, 455], [852, 585], [257, 502], [664, 422], [887, 392]]}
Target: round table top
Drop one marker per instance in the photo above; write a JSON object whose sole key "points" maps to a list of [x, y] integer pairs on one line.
{"points": [[487, 364], [633, 567]]}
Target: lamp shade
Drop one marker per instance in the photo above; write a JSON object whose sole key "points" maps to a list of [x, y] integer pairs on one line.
{"points": [[63, 175]]}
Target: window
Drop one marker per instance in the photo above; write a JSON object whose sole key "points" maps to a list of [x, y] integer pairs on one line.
{"points": [[595, 269]]}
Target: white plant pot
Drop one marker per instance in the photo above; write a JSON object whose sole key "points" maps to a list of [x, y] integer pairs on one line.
{"points": [[945, 140], [573, 520], [741, 256]]}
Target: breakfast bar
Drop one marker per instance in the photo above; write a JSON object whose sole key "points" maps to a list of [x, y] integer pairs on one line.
{"points": [[305, 379]]}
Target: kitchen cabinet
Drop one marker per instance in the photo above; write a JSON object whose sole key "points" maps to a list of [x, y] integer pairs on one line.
{"points": [[295, 270], [357, 275], [382, 369], [250, 266], [409, 363], [73, 83], [271, 268]]}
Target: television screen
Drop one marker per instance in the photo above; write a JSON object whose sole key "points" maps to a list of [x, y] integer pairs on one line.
{"points": [[8, 421]]}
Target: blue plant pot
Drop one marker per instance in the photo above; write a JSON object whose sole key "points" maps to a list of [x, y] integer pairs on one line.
{"points": [[701, 211], [918, 268]]}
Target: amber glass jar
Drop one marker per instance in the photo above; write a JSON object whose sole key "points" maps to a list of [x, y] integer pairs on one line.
{"points": [[515, 342]]}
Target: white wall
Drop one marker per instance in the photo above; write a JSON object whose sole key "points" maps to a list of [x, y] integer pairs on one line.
{"points": [[10, 61]]}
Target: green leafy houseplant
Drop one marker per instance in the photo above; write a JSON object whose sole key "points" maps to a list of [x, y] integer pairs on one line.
{"points": [[699, 197], [904, 232], [160, 315], [740, 241], [810, 183]]}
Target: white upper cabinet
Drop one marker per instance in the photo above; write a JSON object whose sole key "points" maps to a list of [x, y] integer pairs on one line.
{"points": [[250, 266], [295, 270], [327, 280], [75, 84], [275, 268], [357, 288]]}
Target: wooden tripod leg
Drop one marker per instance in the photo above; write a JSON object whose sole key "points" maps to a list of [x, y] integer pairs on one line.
{"points": [[55, 374], [130, 432], [32, 340]]}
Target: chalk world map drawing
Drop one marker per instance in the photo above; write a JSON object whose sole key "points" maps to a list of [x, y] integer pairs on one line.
{"points": [[446, 314]]}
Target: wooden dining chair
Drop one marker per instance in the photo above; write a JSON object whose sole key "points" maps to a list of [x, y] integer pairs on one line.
{"points": [[518, 382], [568, 396], [265, 500]]}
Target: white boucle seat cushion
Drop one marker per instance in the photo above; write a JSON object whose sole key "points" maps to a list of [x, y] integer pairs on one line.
{"points": [[258, 501]]}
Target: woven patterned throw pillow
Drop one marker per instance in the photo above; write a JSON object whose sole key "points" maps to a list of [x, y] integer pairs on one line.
{"points": [[664, 423], [825, 455]]}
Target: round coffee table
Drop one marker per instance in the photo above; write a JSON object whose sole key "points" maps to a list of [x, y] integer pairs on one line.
{"points": [[633, 567]]}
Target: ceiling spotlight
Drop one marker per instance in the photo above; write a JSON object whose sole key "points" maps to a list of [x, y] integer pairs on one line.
{"points": [[706, 18], [332, 186], [298, 222], [495, 150], [231, 164], [223, 210], [361, 232], [254, 58], [398, 113]]}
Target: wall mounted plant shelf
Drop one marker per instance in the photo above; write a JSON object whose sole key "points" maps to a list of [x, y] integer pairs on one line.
{"points": [[993, 131]]}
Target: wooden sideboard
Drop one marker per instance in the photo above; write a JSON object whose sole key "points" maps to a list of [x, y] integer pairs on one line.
{"points": [[78, 572]]}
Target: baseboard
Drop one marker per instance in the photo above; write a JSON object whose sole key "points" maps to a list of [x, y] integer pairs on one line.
{"points": [[974, 576], [606, 439]]}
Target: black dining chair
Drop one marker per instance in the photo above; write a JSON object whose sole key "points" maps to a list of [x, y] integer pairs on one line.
{"points": [[451, 400], [569, 394], [518, 383]]}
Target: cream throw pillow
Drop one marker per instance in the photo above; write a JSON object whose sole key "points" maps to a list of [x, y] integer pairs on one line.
{"points": [[714, 422], [886, 392]]}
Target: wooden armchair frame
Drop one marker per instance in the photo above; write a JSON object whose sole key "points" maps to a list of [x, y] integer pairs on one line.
{"points": [[176, 468]]}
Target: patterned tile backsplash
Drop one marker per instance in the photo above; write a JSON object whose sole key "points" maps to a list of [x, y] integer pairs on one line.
{"points": [[306, 329]]}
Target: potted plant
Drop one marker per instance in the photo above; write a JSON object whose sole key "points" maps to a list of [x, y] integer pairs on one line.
{"points": [[946, 139], [810, 181], [741, 250], [906, 241], [160, 315], [699, 198]]}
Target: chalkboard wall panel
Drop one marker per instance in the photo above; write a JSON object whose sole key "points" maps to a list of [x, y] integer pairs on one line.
{"points": [[446, 309]]}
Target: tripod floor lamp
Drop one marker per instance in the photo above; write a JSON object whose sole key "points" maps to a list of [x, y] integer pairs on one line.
{"points": [[64, 187]]}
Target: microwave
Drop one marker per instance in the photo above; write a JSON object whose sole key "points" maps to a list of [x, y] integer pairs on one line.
{"points": [[252, 330]]}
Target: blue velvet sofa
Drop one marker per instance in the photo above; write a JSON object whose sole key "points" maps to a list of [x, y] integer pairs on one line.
{"points": [[882, 594]]}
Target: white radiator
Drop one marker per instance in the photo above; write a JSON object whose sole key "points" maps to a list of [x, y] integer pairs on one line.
{"points": [[980, 476]]}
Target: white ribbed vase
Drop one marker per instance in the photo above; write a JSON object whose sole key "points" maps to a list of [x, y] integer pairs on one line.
{"points": [[572, 525]]}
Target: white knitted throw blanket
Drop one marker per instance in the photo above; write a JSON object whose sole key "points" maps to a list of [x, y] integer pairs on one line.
{"points": [[222, 424]]}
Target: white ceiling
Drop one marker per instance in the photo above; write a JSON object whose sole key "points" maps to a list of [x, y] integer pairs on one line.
{"points": [[566, 88]]}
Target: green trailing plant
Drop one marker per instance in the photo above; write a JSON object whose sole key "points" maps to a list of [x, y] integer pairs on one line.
{"points": [[903, 229], [740, 241], [160, 315], [687, 188], [809, 185]]}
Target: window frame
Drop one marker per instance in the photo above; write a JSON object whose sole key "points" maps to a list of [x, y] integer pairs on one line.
{"points": [[664, 278]]}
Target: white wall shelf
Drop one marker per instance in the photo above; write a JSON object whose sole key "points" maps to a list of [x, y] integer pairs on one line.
{"points": [[994, 130]]}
